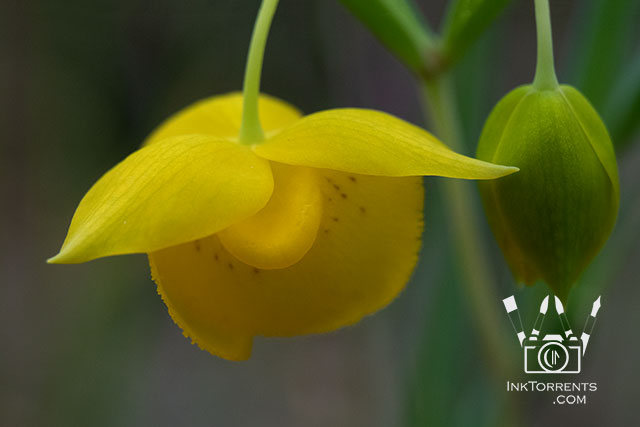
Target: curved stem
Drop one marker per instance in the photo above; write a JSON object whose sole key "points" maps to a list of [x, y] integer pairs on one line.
{"points": [[477, 277], [250, 129], [545, 78]]}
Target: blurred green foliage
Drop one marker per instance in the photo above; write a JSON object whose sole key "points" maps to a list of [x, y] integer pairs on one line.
{"points": [[465, 22], [604, 65], [398, 25]]}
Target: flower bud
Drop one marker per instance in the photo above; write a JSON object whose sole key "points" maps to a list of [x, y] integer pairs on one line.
{"points": [[551, 218]]}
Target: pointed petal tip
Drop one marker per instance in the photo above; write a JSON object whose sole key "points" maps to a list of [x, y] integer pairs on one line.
{"points": [[58, 258], [508, 170], [61, 257], [69, 253], [492, 171]]}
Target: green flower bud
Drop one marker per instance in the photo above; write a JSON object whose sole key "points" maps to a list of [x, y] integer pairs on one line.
{"points": [[551, 218]]}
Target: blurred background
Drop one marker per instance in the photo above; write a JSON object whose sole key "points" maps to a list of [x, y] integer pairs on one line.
{"points": [[82, 83]]}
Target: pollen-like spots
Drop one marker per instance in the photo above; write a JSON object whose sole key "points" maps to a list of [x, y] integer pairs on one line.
{"points": [[197, 245], [230, 265], [255, 270], [342, 195], [216, 257], [340, 188]]}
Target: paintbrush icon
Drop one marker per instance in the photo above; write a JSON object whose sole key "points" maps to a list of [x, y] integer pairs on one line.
{"points": [[553, 353], [537, 327], [566, 327], [589, 324], [514, 316]]}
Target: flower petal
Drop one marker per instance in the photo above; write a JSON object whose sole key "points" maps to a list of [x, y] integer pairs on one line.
{"points": [[285, 229], [373, 143], [596, 133], [171, 192], [220, 116], [365, 251]]}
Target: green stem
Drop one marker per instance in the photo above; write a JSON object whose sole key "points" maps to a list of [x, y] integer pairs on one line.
{"points": [[477, 277], [545, 78], [250, 129]]}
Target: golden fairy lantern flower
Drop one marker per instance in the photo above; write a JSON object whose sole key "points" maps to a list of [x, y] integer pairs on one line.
{"points": [[272, 224]]}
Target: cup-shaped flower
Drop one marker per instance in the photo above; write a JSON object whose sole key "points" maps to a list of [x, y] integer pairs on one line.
{"points": [[552, 217], [307, 231]]}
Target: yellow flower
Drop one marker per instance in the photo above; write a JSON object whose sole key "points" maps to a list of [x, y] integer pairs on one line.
{"points": [[306, 231]]}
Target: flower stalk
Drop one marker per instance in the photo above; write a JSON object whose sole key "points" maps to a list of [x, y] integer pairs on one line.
{"points": [[545, 77], [251, 130]]}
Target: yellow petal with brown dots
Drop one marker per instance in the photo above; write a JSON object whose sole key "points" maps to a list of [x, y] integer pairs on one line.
{"points": [[372, 143], [285, 229], [175, 191], [220, 116], [366, 248]]}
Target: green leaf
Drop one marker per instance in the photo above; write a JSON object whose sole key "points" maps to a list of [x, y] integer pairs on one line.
{"points": [[398, 25], [444, 356], [622, 110], [465, 21], [476, 85], [603, 39]]}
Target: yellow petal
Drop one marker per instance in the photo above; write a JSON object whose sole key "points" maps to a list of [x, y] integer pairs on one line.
{"points": [[285, 229], [364, 253], [373, 143], [220, 116], [175, 191]]}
